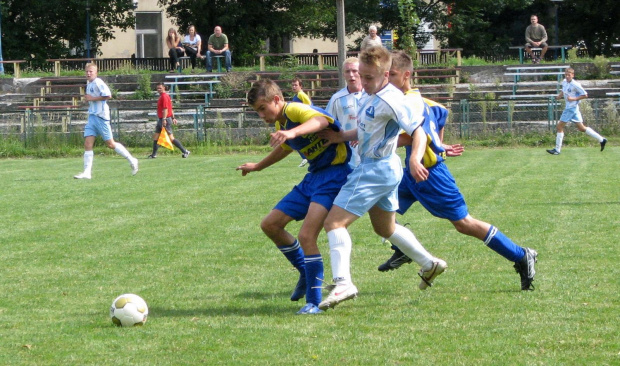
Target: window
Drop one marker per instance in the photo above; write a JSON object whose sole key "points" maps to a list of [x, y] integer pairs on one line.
{"points": [[148, 34]]}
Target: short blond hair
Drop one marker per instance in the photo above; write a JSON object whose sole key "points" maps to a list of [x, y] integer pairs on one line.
{"points": [[351, 60], [265, 89], [91, 64], [377, 56]]}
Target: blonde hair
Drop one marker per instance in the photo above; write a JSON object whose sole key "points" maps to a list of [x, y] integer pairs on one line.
{"points": [[402, 61], [350, 60], [91, 65], [377, 56], [265, 89]]}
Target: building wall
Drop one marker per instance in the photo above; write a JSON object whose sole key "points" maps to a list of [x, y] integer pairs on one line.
{"points": [[125, 44]]}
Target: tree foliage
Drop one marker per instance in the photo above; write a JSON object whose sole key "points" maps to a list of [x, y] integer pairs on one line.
{"points": [[37, 30]]}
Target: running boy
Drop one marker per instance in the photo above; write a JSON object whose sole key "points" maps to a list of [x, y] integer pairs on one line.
{"points": [[573, 93], [165, 119], [438, 193], [372, 186], [97, 95], [296, 127]]}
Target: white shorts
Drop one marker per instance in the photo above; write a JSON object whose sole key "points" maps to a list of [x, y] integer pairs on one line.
{"points": [[372, 182], [571, 115]]}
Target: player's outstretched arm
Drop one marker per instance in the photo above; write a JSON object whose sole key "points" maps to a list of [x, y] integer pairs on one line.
{"points": [[313, 125], [274, 156]]}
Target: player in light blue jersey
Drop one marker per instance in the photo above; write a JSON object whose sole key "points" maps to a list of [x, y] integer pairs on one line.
{"points": [[573, 93], [296, 127], [438, 193], [344, 103], [372, 186], [97, 95]]}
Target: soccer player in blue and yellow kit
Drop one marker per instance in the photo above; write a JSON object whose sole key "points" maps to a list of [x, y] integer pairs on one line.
{"points": [[296, 127], [438, 193]]}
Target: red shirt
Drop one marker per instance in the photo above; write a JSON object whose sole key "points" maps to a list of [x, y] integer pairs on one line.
{"points": [[164, 102]]}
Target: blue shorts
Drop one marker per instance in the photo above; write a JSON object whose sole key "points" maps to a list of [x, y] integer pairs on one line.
{"points": [[438, 194], [571, 115], [320, 187], [372, 182], [98, 126]]}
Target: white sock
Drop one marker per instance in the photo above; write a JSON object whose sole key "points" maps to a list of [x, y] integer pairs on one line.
{"points": [[120, 149], [88, 161], [340, 255], [590, 132], [404, 239], [558, 141]]}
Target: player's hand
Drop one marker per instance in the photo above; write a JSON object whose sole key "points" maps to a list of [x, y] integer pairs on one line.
{"points": [[174, 121], [246, 168], [419, 172], [279, 137], [331, 136], [353, 143], [454, 150]]}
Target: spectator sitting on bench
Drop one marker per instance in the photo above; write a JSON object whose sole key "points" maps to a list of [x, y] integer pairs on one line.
{"points": [[218, 45], [176, 50], [535, 36], [192, 43]]}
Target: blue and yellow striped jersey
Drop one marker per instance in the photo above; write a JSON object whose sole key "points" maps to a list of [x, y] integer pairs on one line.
{"points": [[319, 154]]}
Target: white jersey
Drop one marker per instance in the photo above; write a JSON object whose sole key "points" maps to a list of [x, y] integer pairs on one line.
{"points": [[343, 105], [379, 121], [572, 89], [97, 88]]}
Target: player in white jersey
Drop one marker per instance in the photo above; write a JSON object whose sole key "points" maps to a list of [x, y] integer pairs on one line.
{"points": [[344, 103], [573, 93], [97, 95], [372, 186]]}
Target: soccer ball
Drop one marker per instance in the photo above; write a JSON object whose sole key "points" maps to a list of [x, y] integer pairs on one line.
{"points": [[128, 310]]}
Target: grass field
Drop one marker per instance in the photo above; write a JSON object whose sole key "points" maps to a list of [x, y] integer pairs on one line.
{"points": [[184, 234]]}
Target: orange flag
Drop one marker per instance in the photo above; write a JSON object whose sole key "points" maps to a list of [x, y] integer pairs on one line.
{"points": [[164, 140]]}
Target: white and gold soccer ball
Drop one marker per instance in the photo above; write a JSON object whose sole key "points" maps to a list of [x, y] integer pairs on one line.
{"points": [[129, 310]]}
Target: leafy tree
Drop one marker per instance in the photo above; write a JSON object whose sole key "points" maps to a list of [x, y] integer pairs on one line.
{"points": [[37, 30], [595, 22]]}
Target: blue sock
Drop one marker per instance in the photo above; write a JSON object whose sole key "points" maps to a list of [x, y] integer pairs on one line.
{"points": [[501, 244], [295, 255], [314, 278]]}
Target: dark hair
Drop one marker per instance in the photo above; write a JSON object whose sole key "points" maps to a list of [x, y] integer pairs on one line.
{"points": [[297, 79]]}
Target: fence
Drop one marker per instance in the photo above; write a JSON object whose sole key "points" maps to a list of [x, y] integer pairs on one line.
{"points": [[240, 125], [475, 118]]}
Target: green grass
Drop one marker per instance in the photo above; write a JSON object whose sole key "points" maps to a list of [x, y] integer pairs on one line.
{"points": [[184, 234]]}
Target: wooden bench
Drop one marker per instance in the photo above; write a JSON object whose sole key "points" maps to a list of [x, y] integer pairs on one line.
{"points": [[615, 72], [453, 74], [522, 51], [57, 62], [522, 71], [43, 107], [16, 68]]}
